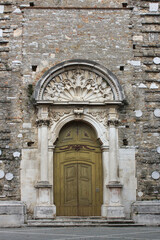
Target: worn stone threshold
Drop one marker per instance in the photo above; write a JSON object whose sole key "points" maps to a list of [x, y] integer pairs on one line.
{"points": [[81, 221]]}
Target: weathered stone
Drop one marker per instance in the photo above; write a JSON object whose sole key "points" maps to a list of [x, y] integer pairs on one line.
{"points": [[124, 41], [147, 212], [137, 38], [12, 214], [1, 8], [153, 7], [44, 212]]}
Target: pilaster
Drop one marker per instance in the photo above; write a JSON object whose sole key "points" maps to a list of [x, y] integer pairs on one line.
{"points": [[115, 209], [44, 207]]}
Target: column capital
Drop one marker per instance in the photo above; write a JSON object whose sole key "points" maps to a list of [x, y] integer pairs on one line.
{"points": [[43, 122], [113, 122]]}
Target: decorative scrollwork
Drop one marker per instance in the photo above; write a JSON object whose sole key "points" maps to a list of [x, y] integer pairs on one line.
{"points": [[56, 116], [100, 116], [78, 85]]}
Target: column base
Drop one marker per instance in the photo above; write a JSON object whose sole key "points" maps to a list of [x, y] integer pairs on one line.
{"points": [[45, 212], [104, 210], [43, 193], [112, 212], [115, 212], [115, 209]]}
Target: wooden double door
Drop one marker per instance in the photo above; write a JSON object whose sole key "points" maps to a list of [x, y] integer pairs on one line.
{"points": [[77, 171]]}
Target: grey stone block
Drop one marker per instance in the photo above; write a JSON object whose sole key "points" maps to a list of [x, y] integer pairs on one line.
{"points": [[44, 212], [146, 212], [12, 213], [11, 220]]}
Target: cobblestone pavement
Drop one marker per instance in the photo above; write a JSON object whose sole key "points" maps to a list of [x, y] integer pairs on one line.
{"points": [[81, 233]]}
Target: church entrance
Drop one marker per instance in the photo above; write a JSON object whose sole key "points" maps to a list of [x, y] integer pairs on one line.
{"points": [[78, 171]]}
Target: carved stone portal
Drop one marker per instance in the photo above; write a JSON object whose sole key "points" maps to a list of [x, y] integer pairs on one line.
{"points": [[92, 94], [78, 85]]}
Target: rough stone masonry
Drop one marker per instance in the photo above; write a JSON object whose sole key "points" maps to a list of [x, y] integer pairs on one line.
{"points": [[124, 37]]}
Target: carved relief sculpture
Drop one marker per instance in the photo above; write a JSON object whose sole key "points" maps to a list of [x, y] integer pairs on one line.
{"points": [[78, 85]]}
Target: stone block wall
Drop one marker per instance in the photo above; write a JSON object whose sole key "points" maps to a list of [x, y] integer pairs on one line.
{"points": [[146, 79], [10, 103], [121, 35]]}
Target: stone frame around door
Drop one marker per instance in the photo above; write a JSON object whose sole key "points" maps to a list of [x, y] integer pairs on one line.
{"points": [[80, 90]]}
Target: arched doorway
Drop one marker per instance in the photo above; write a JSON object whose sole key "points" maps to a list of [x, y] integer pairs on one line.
{"points": [[78, 171], [78, 90]]}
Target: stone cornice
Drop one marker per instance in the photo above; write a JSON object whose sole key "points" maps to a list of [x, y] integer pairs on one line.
{"points": [[81, 103]]}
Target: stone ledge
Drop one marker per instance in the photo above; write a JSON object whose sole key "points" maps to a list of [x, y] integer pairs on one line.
{"points": [[12, 213], [146, 212], [146, 207], [114, 186]]}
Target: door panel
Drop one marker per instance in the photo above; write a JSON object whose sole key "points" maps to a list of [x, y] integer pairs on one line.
{"points": [[77, 172], [70, 185], [84, 185]]}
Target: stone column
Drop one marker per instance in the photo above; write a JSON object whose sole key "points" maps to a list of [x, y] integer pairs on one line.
{"points": [[115, 209], [105, 164], [43, 125], [113, 150], [43, 209]]}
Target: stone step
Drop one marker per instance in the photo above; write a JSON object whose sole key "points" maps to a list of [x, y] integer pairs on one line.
{"points": [[88, 222]]}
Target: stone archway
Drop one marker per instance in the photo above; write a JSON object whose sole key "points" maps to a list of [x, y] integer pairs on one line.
{"points": [[114, 93], [86, 91]]}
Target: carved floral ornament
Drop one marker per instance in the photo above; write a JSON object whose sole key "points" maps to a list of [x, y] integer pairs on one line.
{"points": [[77, 81], [78, 85]]}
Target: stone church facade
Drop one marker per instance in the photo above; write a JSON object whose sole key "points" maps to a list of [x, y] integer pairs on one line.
{"points": [[79, 110]]}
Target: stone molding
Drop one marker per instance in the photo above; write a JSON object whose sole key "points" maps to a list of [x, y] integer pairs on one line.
{"points": [[114, 185], [100, 129], [43, 184]]}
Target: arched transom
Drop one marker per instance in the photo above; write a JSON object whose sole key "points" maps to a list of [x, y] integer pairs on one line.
{"points": [[78, 81], [78, 85]]}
